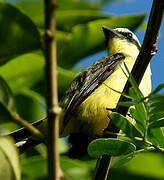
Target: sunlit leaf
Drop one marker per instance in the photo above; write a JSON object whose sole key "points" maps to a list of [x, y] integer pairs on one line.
{"points": [[67, 13], [69, 18], [146, 166], [5, 168], [23, 71], [159, 87], [142, 27], [31, 6], [9, 160], [109, 146], [18, 33], [29, 71]]}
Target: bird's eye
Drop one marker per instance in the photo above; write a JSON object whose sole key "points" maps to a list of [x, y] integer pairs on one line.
{"points": [[129, 35]]}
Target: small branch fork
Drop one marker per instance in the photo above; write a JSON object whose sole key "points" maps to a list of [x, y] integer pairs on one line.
{"points": [[52, 93], [148, 49]]}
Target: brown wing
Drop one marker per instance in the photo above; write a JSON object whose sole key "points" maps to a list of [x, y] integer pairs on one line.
{"points": [[87, 81]]}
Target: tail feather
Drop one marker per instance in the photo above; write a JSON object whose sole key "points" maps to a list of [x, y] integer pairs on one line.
{"points": [[23, 133]]}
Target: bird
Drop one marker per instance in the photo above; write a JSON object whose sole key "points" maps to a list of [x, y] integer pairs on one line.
{"points": [[92, 93]]}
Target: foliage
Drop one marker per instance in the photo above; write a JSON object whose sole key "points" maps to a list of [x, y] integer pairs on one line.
{"points": [[22, 82], [142, 126]]}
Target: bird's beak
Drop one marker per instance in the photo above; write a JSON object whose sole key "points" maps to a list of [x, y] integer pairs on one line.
{"points": [[110, 33]]}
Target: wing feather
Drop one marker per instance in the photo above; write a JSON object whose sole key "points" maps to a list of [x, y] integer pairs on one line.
{"points": [[87, 81]]}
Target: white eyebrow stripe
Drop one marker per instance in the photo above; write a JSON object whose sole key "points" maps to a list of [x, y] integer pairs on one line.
{"points": [[125, 30]]}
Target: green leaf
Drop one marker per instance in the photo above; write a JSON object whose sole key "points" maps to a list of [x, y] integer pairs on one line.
{"points": [[138, 118], [109, 146], [18, 33], [122, 123], [146, 166], [129, 103], [67, 19], [156, 104], [143, 27], [7, 102], [23, 71], [70, 51], [35, 103], [84, 42], [6, 96], [5, 168], [31, 6], [67, 13], [27, 70], [156, 98], [134, 91], [35, 166], [160, 87], [157, 124], [74, 168], [118, 162], [139, 113], [9, 159], [72, 4], [156, 116], [67, 163], [155, 135]]}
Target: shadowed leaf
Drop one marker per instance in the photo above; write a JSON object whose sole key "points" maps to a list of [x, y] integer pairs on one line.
{"points": [[109, 146], [122, 160], [18, 33], [7, 102], [156, 136], [157, 124], [122, 123]]}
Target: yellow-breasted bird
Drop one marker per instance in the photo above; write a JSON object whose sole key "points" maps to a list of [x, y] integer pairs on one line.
{"points": [[88, 97]]}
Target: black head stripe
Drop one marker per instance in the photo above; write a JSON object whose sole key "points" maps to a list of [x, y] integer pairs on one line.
{"points": [[129, 37]]}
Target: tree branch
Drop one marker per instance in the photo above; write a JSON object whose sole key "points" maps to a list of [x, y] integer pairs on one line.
{"points": [[148, 49], [52, 93]]}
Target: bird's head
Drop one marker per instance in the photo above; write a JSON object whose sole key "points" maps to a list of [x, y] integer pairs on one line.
{"points": [[122, 40]]}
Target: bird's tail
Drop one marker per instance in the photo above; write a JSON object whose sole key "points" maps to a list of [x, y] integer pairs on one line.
{"points": [[23, 138]]}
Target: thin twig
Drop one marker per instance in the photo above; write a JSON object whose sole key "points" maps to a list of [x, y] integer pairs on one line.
{"points": [[52, 92], [30, 128], [23, 133], [147, 51]]}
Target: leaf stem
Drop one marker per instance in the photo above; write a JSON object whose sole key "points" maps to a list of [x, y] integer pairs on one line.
{"points": [[115, 134]]}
